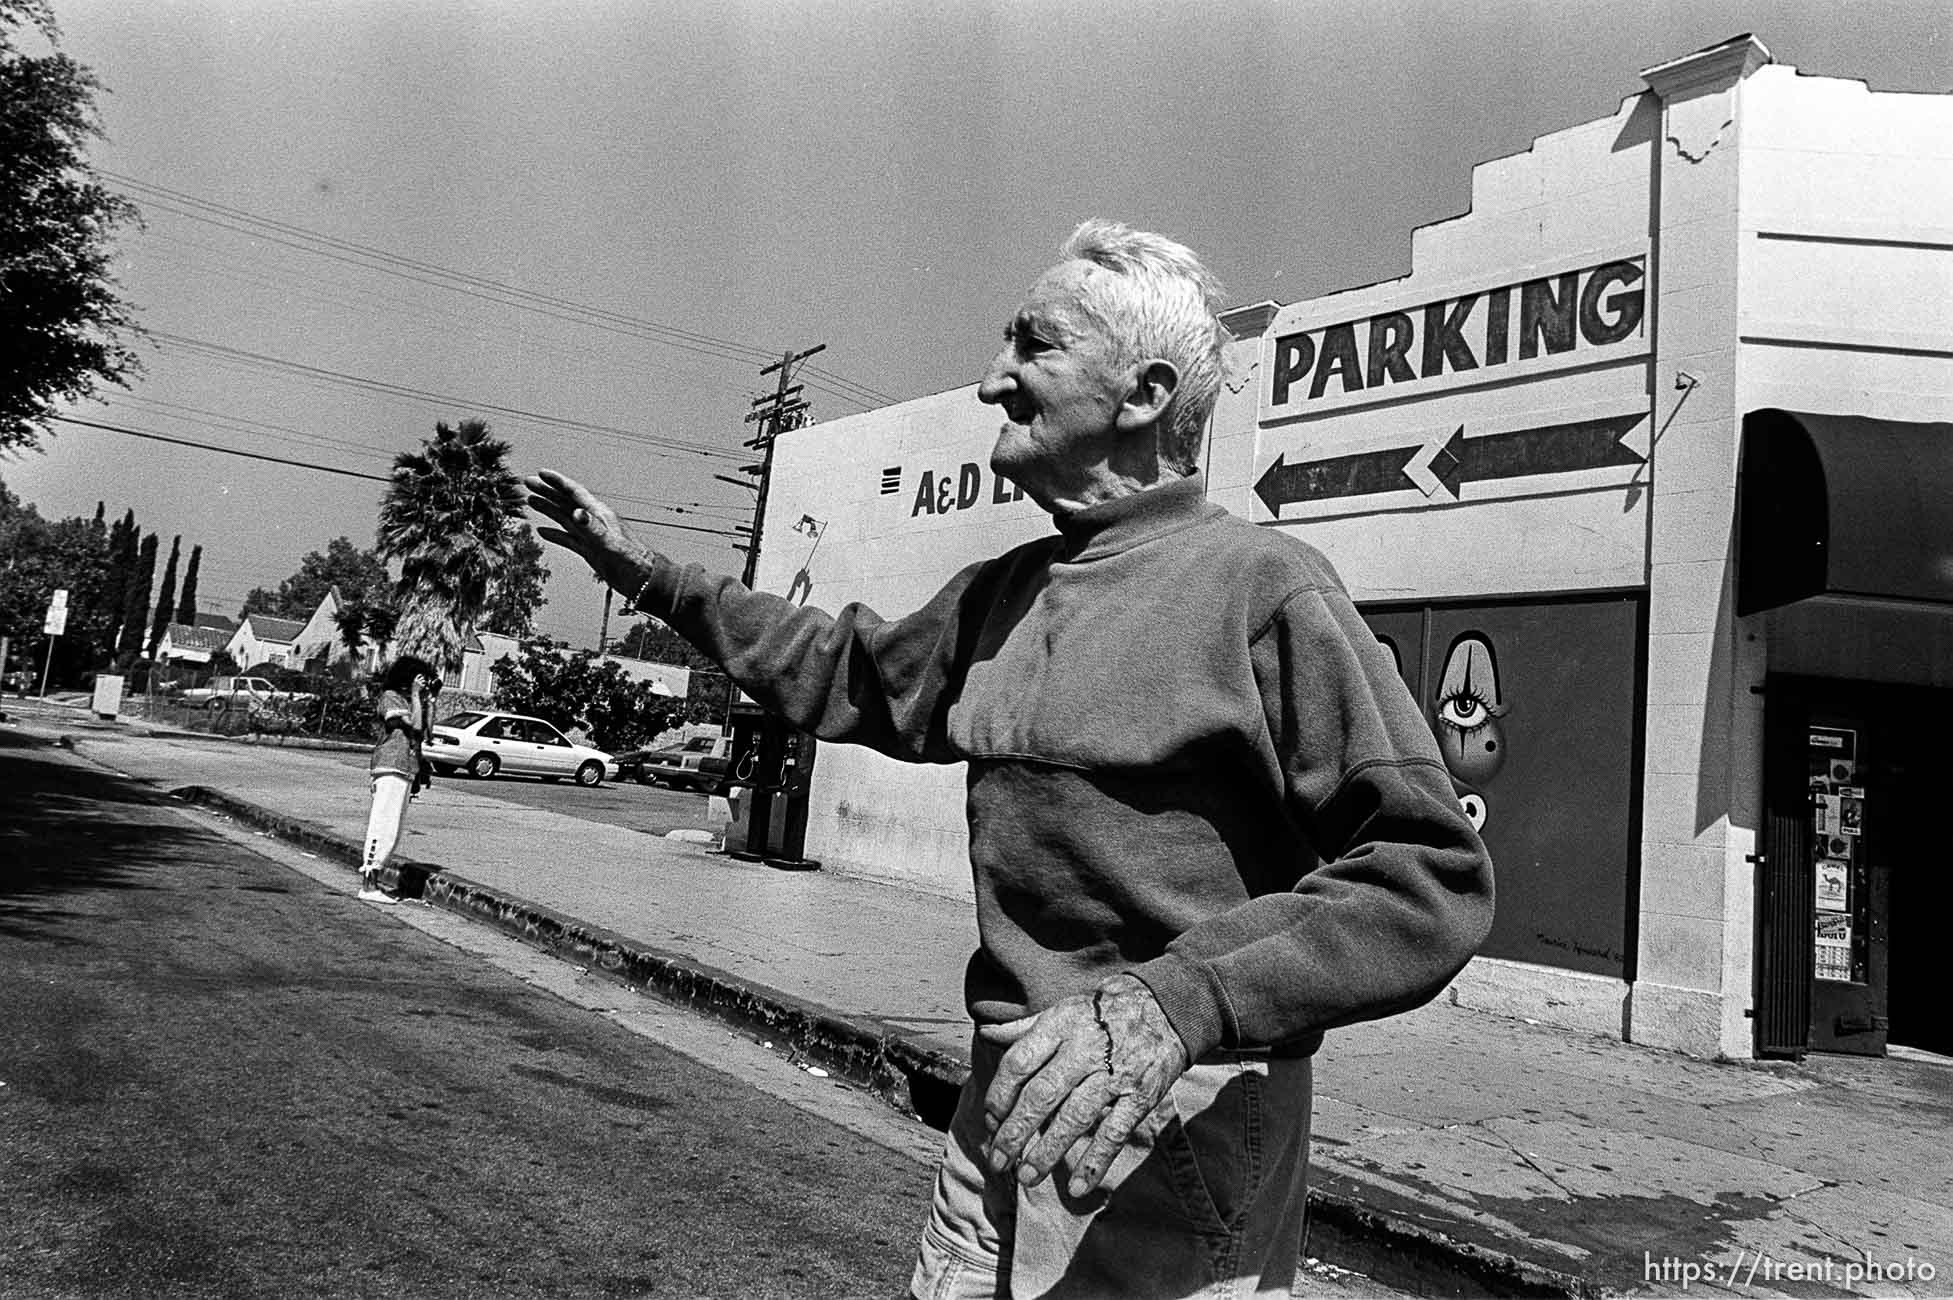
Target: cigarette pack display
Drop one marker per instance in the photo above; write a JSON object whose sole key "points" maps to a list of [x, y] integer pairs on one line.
{"points": [[1833, 885]]}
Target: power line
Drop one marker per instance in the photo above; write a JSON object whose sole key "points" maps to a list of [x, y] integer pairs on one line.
{"points": [[381, 386], [330, 469], [241, 424], [367, 257], [228, 451]]}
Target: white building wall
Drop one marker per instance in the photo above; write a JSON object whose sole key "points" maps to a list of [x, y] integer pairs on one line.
{"points": [[862, 480], [1846, 229]]}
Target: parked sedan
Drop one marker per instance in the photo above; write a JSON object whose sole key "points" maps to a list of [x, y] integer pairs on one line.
{"points": [[697, 764], [487, 743]]}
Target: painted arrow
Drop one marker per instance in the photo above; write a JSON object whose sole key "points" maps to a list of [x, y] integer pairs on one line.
{"points": [[1446, 461]]}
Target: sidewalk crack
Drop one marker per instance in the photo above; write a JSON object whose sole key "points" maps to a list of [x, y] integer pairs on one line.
{"points": [[1531, 1163]]}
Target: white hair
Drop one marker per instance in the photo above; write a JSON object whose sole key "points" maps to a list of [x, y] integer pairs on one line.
{"points": [[1160, 302]]}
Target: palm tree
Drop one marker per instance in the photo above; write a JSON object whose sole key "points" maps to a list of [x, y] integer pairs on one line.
{"points": [[361, 625], [448, 518]]}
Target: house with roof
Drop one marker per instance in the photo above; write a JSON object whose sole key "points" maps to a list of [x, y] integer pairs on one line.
{"points": [[670, 680], [262, 639], [479, 655], [191, 646], [320, 641]]}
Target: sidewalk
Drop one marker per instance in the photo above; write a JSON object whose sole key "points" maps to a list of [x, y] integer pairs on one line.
{"points": [[1455, 1152]]}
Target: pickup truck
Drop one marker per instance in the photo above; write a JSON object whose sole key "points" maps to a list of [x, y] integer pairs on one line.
{"points": [[242, 693], [696, 764]]}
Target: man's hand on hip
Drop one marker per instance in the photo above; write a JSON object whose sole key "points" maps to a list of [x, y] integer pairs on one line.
{"points": [[1076, 1080]]}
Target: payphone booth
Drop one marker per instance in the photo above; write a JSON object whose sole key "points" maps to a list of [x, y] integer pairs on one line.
{"points": [[772, 766]]}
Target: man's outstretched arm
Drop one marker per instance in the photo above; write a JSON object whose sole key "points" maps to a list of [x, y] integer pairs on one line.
{"points": [[849, 676]]}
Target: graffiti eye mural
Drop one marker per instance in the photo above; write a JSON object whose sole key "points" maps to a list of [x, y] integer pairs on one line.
{"points": [[1467, 713]]}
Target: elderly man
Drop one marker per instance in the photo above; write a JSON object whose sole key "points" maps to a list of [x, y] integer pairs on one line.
{"points": [[1207, 821]]}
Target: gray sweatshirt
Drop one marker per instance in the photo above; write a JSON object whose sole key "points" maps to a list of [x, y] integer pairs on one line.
{"points": [[1189, 759]]}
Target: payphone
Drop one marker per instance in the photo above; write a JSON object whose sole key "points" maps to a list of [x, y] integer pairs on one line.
{"points": [[771, 766]]}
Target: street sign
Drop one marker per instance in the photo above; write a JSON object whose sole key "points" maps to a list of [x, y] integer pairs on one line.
{"points": [[57, 619]]}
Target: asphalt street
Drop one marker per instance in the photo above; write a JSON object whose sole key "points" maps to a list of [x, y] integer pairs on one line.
{"points": [[220, 1076]]}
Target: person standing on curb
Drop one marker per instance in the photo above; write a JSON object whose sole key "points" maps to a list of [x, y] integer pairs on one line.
{"points": [[1207, 821], [406, 708]]}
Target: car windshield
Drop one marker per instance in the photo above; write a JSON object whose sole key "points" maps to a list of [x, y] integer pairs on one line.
{"points": [[462, 720]]}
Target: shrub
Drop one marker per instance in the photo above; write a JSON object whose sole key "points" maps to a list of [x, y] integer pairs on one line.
{"points": [[575, 691]]}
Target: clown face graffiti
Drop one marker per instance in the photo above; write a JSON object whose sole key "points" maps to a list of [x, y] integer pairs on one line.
{"points": [[1467, 715]]}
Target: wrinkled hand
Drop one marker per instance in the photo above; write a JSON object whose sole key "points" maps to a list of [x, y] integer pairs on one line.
{"points": [[1053, 1099], [588, 527]]}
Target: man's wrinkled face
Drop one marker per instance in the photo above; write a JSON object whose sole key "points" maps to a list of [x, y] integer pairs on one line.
{"points": [[1056, 382]]}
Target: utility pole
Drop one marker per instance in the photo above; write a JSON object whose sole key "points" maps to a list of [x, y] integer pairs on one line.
{"points": [[780, 411], [777, 412]]}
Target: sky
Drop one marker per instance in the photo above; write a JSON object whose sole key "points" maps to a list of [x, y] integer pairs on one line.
{"points": [[591, 224]]}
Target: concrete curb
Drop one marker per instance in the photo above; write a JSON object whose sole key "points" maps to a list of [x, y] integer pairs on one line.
{"points": [[1423, 1261], [921, 1083]]}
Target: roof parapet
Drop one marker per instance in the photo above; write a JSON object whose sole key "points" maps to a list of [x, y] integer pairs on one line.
{"points": [[1249, 321], [1715, 68]]}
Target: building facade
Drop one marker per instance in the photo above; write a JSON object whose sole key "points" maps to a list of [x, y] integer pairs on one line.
{"points": [[1639, 473]]}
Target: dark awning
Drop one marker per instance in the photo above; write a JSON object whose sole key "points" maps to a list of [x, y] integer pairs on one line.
{"points": [[1843, 505]]}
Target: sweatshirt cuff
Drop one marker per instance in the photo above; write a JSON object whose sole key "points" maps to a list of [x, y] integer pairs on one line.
{"points": [[1193, 1003], [657, 592]]}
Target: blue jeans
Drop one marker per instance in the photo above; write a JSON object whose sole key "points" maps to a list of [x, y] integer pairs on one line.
{"points": [[1206, 1200]]}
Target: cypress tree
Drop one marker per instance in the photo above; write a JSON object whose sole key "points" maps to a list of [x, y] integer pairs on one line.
{"points": [[135, 605], [166, 598], [186, 604], [115, 592], [98, 609]]}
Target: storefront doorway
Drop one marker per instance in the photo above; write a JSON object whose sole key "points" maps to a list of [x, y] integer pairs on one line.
{"points": [[1856, 878]]}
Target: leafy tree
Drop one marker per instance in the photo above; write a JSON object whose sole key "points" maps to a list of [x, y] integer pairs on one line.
{"points": [[24, 587], [517, 591], [38, 558], [80, 562], [186, 604], [360, 576], [166, 598], [63, 324], [449, 519], [651, 639], [577, 690], [705, 700]]}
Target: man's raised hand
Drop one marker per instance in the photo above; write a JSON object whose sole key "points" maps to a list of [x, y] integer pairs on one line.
{"points": [[588, 527]]}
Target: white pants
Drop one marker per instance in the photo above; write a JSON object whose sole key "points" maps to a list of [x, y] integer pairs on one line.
{"points": [[390, 791]]}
